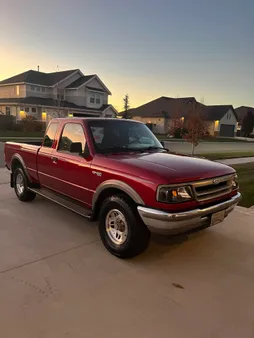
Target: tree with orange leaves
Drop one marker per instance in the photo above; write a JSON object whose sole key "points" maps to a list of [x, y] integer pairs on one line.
{"points": [[196, 126]]}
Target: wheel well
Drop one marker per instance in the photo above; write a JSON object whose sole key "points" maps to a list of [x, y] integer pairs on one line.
{"points": [[106, 193], [15, 164]]}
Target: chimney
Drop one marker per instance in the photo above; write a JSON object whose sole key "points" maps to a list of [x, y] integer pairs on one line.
{"points": [[38, 68]]}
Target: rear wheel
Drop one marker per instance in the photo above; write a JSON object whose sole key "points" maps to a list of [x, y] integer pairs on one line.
{"points": [[21, 186], [122, 231]]}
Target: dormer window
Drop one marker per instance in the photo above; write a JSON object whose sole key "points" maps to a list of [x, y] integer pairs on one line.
{"points": [[98, 98], [95, 98]]}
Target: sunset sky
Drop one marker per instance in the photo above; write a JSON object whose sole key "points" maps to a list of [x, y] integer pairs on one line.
{"points": [[144, 48]]}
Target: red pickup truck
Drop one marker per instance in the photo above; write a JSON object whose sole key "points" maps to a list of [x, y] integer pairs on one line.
{"points": [[117, 172]]}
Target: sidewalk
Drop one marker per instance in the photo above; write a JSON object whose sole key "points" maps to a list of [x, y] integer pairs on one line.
{"points": [[232, 161]]}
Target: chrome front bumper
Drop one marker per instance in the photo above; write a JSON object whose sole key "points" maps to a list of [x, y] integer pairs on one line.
{"points": [[162, 222]]}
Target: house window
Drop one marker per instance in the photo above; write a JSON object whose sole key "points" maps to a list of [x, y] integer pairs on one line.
{"points": [[8, 110], [33, 110], [98, 98], [43, 89], [33, 88], [17, 90], [27, 109], [92, 98], [38, 89]]}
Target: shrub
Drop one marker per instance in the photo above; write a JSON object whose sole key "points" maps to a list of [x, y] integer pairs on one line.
{"points": [[7, 122], [180, 132], [30, 123]]}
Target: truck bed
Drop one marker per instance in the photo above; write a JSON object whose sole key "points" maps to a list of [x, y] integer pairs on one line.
{"points": [[27, 151]]}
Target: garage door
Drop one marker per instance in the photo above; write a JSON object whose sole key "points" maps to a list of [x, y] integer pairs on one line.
{"points": [[227, 130]]}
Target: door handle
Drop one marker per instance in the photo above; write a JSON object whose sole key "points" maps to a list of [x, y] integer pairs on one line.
{"points": [[54, 159]]}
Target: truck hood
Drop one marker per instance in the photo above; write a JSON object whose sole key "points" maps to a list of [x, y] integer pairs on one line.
{"points": [[167, 167]]}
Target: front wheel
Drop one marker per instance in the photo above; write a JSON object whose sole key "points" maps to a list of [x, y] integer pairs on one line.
{"points": [[21, 186], [122, 231]]}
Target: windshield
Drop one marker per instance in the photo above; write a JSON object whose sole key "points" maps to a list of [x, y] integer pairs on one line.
{"points": [[119, 135]]}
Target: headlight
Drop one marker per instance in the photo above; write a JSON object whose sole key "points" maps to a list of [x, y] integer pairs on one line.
{"points": [[235, 184], [166, 194]]}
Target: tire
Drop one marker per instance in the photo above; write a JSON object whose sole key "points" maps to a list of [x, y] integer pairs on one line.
{"points": [[21, 186], [131, 237]]}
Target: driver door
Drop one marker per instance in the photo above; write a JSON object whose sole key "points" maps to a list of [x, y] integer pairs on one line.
{"points": [[71, 171]]}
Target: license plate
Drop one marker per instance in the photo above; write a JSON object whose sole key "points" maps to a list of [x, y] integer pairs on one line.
{"points": [[217, 217]]}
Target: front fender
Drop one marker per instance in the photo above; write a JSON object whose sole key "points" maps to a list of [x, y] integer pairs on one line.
{"points": [[118, 185]]}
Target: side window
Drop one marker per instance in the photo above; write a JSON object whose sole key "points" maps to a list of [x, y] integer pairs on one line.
{"points": [[73, 139], [50, 135]]}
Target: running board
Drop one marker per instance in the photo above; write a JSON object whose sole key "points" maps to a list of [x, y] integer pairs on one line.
{"points": [[64, 202]]}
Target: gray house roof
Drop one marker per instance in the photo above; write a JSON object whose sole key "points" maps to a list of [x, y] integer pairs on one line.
{"points": [[80, 81], [168, 107], [162, 107], [243, 111], [35, 77], [213, 113]]}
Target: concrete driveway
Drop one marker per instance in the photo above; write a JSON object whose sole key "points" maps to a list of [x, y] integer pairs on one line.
{"points": [[210, 147], [57, 280]]}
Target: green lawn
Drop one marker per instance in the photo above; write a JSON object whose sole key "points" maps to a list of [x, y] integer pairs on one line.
{"points": [[245, 174], [14, 134]]}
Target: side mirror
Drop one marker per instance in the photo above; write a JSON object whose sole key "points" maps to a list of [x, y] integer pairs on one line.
{"points": [[163, 144], [76, 147]]}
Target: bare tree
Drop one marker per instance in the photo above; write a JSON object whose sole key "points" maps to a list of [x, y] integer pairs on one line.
{"points": [[126, 106], [196, 126], [59, 101]]}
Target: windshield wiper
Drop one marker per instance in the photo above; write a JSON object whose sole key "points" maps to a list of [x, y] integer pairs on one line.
{"points": [[154, 148]]}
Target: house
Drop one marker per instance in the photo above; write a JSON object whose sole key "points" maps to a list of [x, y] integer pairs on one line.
{"points": [[222, 120], [58, 94], [242, 113], [159, 113]]}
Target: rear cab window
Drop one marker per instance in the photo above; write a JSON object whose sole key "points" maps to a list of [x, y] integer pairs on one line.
{"points": [[50, 135]]}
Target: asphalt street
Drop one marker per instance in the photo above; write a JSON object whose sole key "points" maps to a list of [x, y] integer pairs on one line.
{"points": [[210, 147]]}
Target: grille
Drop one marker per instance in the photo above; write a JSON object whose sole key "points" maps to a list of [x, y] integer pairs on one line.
{"points": [[213, 188]]}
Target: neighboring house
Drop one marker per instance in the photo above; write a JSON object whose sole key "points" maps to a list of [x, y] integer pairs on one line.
{"points": [[242, 113], [221, 120], [59, 94], [159, 112]]}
